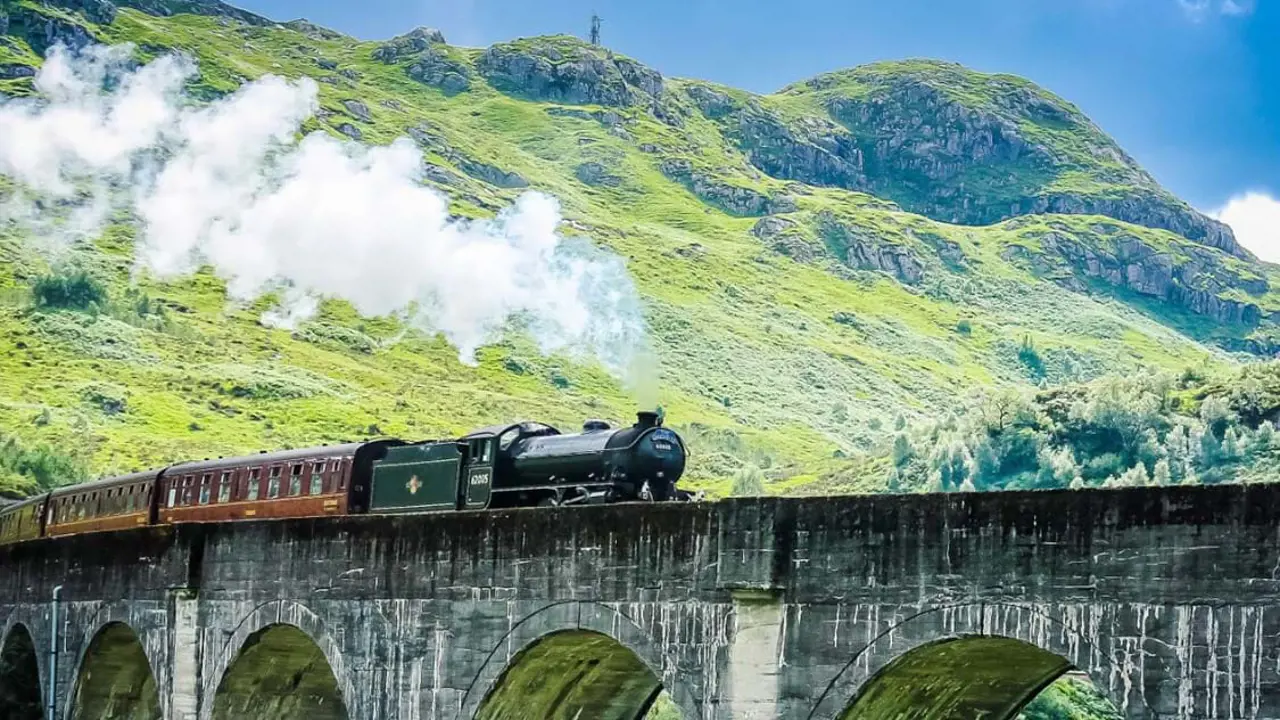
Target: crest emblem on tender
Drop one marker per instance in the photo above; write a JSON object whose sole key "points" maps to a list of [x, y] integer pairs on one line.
{"points": [[413, 485]]}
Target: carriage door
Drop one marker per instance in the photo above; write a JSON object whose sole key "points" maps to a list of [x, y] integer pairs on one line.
{"points": [[479, 475]]}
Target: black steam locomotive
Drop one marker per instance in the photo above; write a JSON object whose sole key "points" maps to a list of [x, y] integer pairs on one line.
{"points": [[529, 463], [515, 465]]}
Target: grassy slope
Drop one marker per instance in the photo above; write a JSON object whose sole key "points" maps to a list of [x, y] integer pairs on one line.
{"points": [[749, 348]]}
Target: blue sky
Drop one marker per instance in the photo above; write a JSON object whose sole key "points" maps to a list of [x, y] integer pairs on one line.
{"points": [[1191, 88]]}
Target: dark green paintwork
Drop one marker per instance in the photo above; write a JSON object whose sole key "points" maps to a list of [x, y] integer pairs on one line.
{"points": [[414, 478]]}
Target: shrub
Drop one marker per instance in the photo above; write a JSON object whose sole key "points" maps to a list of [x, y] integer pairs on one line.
{"points": [[748, 481], [75, 290], [964, 327]]}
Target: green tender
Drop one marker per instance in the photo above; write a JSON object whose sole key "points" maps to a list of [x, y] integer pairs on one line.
{"points": [[413, 478]]}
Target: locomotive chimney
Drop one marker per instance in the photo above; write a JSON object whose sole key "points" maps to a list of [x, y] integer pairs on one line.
{"points": [[646, 419]]}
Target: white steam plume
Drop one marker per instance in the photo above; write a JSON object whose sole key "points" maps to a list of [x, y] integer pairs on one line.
{"points": [[228, 185]]}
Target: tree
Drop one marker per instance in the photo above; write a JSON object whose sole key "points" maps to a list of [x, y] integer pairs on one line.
{"points": [[1135, 476], [1230, 445], [1264, 437], [748, 481], [1162, 475], [1216, 415], [902, 450]]}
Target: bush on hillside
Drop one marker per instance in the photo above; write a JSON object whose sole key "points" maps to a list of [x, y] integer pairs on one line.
{"points": [[749, 481], [73, 290], [27, 470]]}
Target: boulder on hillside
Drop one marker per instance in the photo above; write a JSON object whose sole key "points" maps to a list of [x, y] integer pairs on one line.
{"points": [[350, 131], [595, 174], [358, 109], [12, 71]]}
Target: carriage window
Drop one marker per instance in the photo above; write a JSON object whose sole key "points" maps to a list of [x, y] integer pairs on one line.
{"points": [[82, 504], [295, 480], [131, 499], [317, 478], [173, 494], [254, 481], [224, 489], [273, 485], [204, 488], [188, 489]]}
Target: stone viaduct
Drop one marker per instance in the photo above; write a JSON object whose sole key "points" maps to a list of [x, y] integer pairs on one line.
{"points": [[912, 606]]}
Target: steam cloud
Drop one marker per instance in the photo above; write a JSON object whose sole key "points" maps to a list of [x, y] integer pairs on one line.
{"points": [[228, 185]]}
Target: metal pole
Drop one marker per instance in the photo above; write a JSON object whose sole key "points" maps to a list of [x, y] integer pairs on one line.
{"points": [[53, 657]]}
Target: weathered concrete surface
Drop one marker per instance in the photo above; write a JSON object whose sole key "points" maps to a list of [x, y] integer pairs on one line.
{"points": [[764, 608]]}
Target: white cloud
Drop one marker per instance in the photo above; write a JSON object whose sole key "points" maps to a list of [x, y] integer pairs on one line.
{"points": [[1254, 217], [1198, 10], [230, 186]]}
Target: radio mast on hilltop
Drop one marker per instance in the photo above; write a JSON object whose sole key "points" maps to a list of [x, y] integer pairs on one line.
{"points": [[595, 29]]}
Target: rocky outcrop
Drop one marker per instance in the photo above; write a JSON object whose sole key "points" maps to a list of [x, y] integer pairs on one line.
{"points": [[481, 171], [732, 199], [438, 71], [15, 70], [213, 8], [313, 31], [101, 12], [350, 131], [568, 71], [411, 43], [714, 104], [1197, 281], [984, 160], [817, 153], [44, 31], [1156, 210], [358, 110], [427, 59], [491, 174], [785, 237], [595, 174], [865, 250]]}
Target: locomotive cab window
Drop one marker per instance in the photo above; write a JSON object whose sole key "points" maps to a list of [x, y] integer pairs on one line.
{"points": [[481, 451]]}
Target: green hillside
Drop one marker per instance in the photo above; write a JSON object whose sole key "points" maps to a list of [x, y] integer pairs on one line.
{"points": [[802, 289]]}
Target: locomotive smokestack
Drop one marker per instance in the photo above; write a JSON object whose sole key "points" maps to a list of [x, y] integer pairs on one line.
{"points": [[647, 419]]}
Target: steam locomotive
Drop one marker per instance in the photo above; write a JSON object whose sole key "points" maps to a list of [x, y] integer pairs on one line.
{"points": [[515, 465]]}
